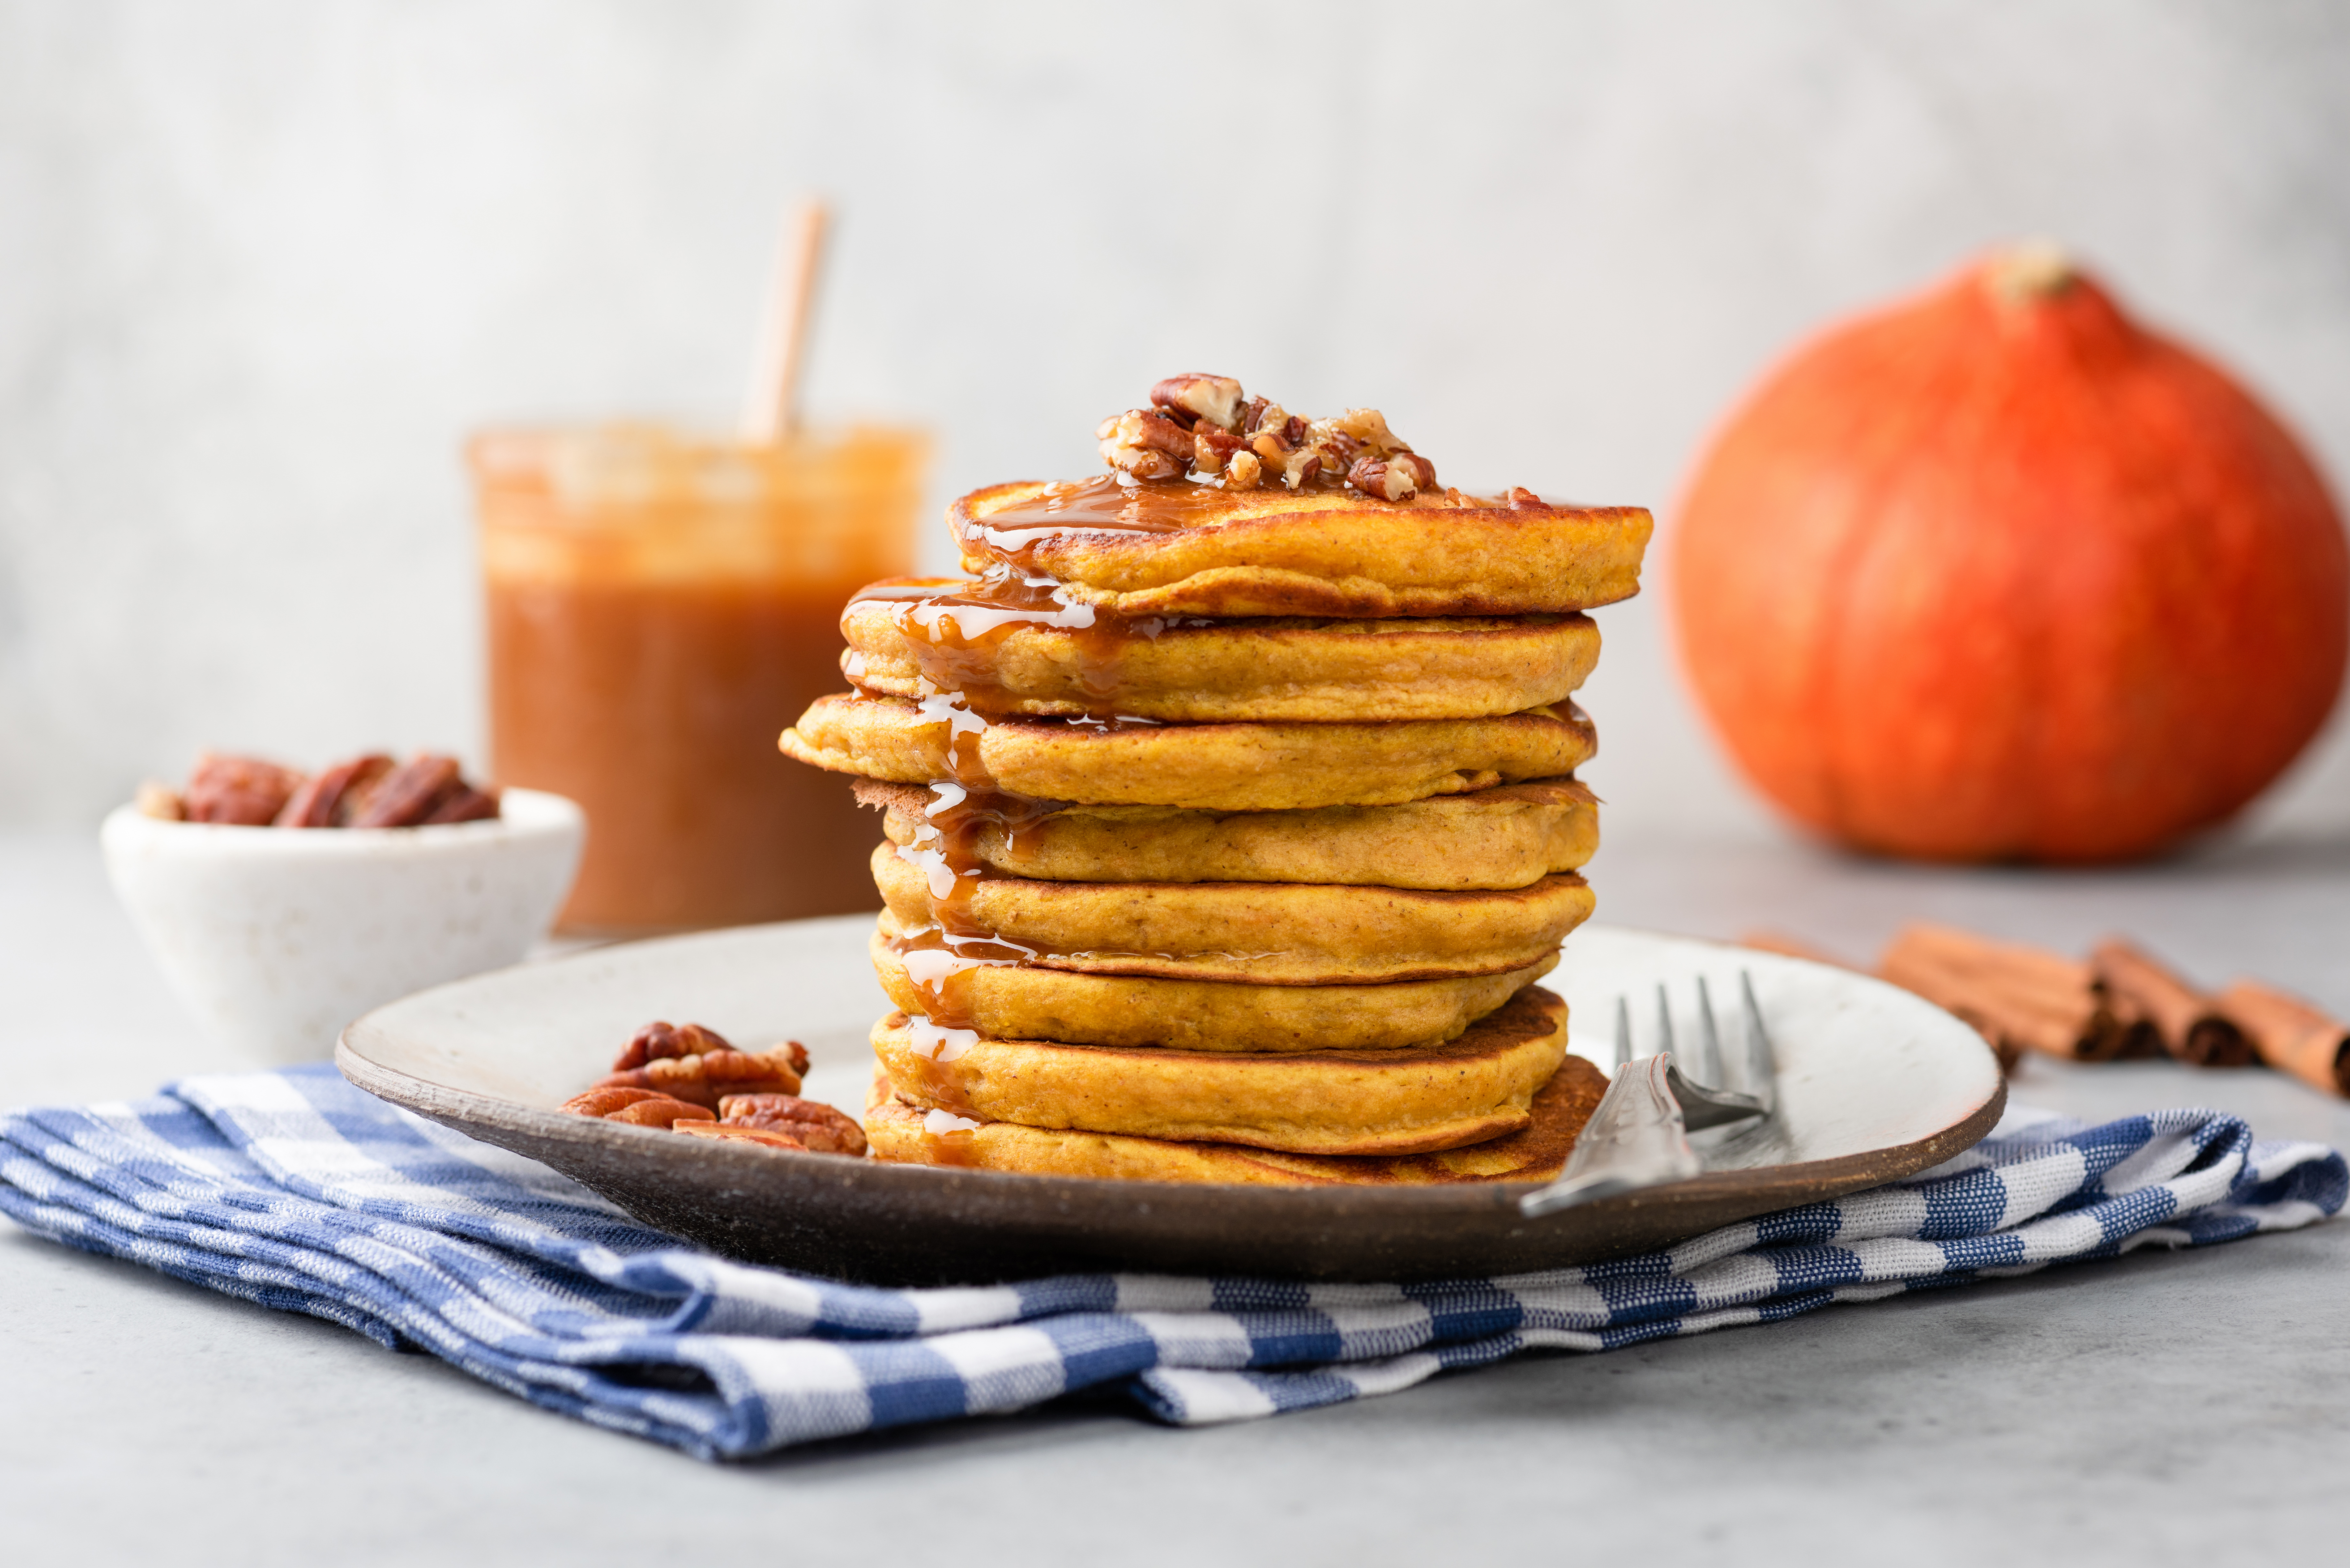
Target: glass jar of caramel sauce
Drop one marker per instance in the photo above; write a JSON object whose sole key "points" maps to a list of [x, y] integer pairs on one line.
{"points": [[661, 607]]}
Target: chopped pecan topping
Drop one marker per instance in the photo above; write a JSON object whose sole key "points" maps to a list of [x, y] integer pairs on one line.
{"points": [[1215, 400], [1145, 444], [244, 792], [815, 1125], [1212, 447], [637, 1107], [1205, 427], [1398, 477]]}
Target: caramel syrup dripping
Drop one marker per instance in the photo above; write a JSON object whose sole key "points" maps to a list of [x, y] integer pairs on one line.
{"points": [[939, 958], [954, 634]]}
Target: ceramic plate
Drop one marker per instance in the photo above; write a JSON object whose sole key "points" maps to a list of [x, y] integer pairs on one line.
{"points": [[1874, 1083]]}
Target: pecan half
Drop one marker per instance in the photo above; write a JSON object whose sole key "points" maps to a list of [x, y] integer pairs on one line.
{"points": [[409, 794], [707, 1078], [816, 1126], [658, 1040], [1145, 444], [782, 1142], [466, 803], [244, 792], [1215, 400], [325, 798], [637, 1107]]}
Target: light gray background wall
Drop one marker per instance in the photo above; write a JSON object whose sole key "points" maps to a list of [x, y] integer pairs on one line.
{"points": [[263, 264]]}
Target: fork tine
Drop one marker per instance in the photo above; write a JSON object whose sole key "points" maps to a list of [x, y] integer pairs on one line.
{"points": [[1664, 1021], [1709, 1040], [1762, 1059], [1622, 1035]]}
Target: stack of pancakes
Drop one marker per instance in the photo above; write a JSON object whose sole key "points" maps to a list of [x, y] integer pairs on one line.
{"points": [[1228, 830]]}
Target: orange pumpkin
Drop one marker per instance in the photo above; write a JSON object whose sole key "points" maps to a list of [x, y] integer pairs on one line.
{"points": [[1996, 574]]}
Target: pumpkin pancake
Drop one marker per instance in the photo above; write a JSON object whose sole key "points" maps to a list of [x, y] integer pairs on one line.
{"points": [[1412, 1101], [1536, 1152], [1506, 836], [915, 637], [1171, 547], [1211, 767], [1009, 1001], [1289, 933]]}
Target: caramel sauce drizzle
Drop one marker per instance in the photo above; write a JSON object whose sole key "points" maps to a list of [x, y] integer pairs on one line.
{"points": [[939, 958], [955, 633], [1115, 504]]}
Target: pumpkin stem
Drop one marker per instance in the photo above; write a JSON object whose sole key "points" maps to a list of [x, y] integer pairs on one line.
{"points": [[2028, 271]]}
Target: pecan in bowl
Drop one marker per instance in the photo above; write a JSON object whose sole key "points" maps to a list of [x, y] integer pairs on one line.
{"points": [[370, 791]]}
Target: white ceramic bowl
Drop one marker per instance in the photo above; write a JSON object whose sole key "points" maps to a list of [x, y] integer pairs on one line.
{"points": [[277, 939]]}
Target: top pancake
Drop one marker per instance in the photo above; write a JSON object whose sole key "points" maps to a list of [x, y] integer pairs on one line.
{"points": [[1171, 547]]}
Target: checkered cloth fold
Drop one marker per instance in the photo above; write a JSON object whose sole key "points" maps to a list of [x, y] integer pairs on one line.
{"points": [[295, 1190]]}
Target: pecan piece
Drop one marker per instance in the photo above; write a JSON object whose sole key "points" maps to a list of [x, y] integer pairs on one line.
{"points": [[1300, 467], [1212, 447], [244, 792], [1215, 400], [1399, 477], [706, 1078], [1145, 444], [785, 1142], [409, 794], [1370, 427], [656, 1040], [816, 1126], [1243, 471], [466, 803], [160, 800], [326, 797], [637, 1107]]}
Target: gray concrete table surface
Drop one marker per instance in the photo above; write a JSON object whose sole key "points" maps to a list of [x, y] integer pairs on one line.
{"points": [[2162, 1408]]}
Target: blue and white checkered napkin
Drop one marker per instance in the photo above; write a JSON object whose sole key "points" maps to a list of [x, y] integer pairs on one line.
{"points": [[298, 1191]]}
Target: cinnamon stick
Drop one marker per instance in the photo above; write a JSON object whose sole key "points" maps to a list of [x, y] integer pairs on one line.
{"points": [[2189, 1024], [2293, 1035], [2024, 997]]}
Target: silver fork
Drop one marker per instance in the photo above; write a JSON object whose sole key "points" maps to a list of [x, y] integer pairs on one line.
{"points": [[1639, 1137]]}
